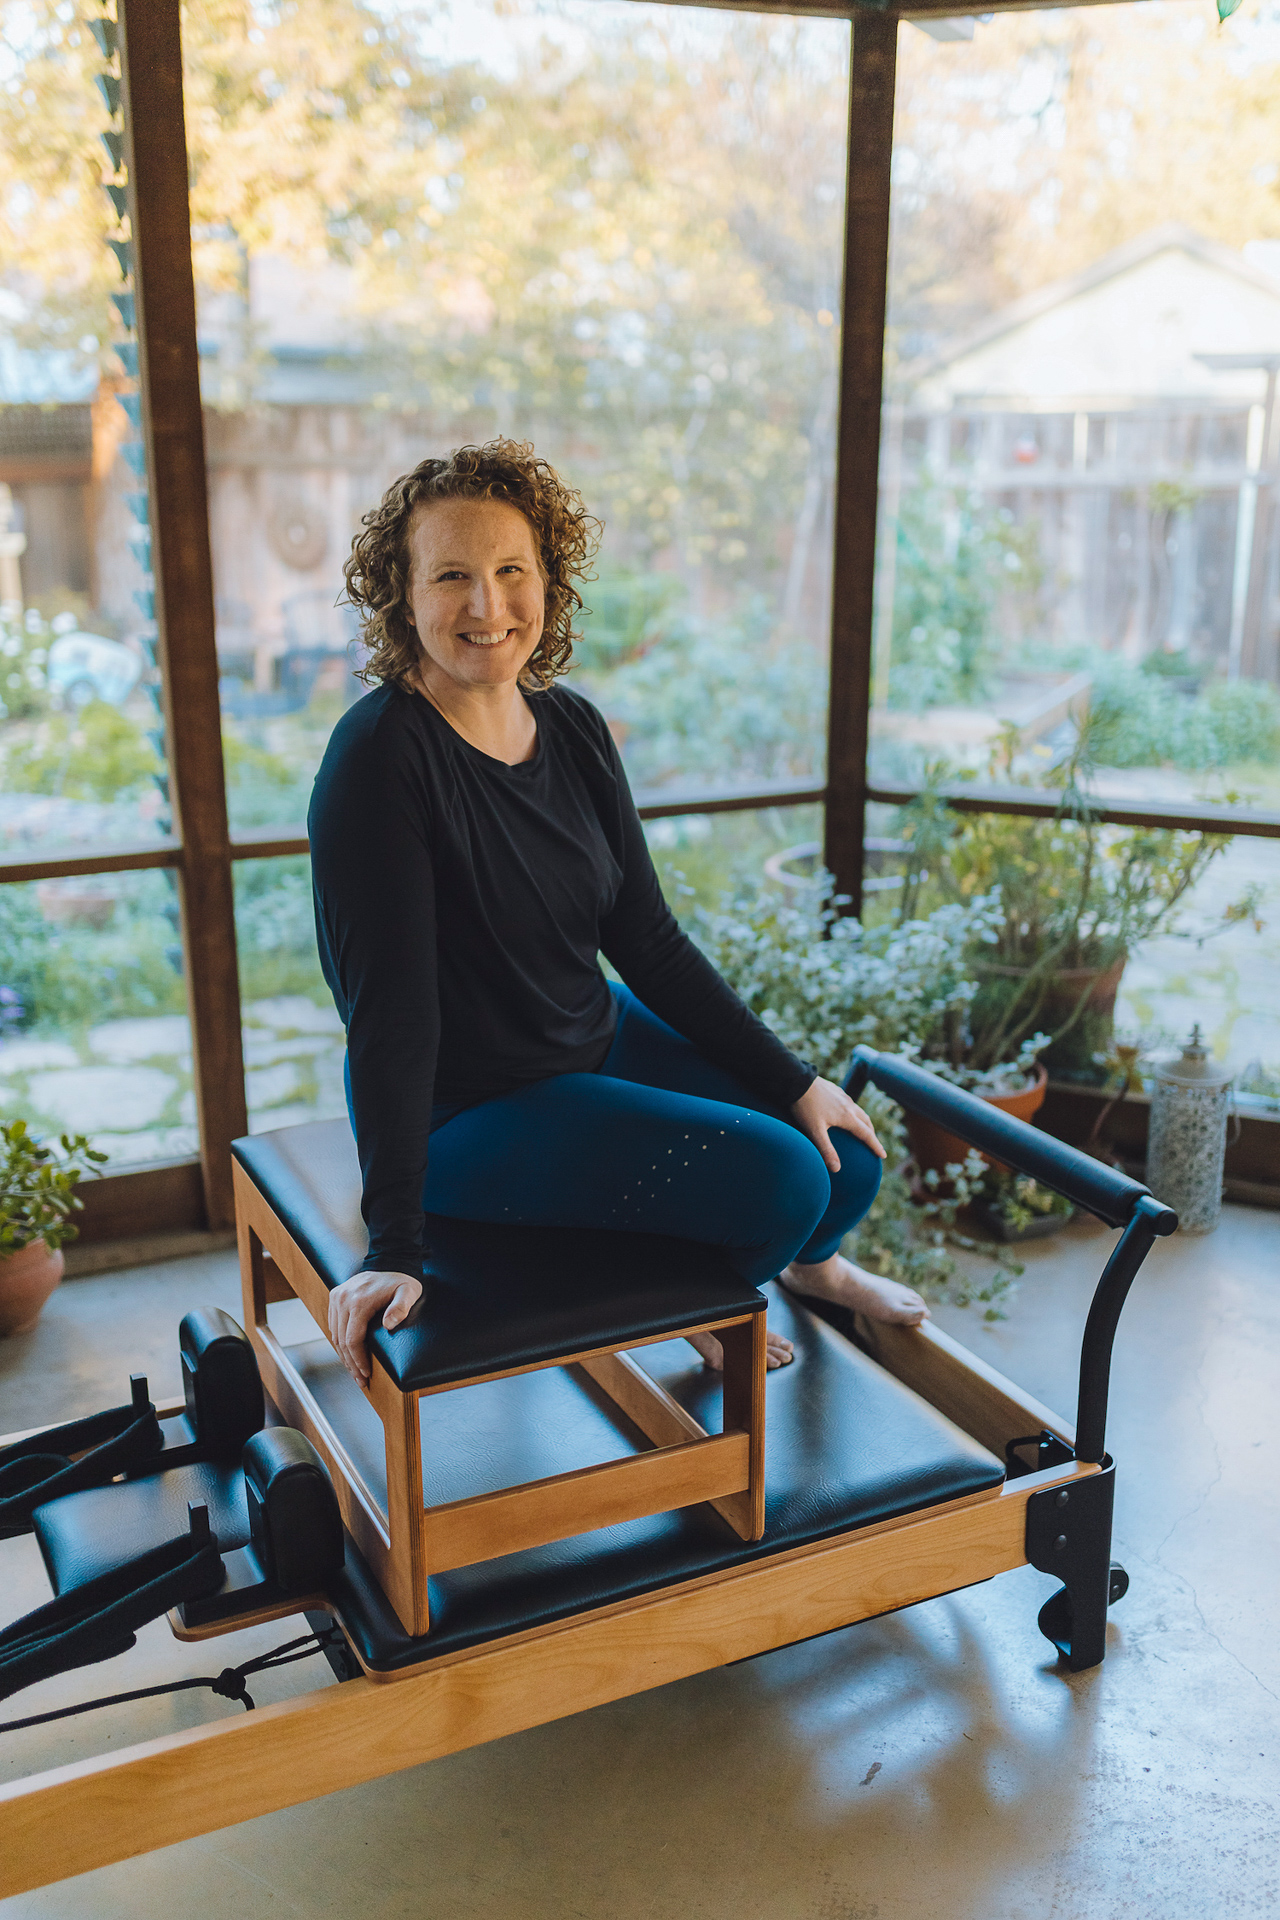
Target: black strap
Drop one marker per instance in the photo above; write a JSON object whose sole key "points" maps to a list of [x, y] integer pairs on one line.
{"points": [[74, 1436], [118, 1440], [98, 1620], [230, 1683]]}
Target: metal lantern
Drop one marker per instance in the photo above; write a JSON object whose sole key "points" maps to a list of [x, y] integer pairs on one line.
{"points": [[1187, 1140]]}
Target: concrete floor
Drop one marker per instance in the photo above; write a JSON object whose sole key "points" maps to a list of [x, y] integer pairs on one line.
{"points": [[935, 1763]]}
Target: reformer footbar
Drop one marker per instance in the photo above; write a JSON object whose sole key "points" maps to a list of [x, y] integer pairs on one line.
{"points": [[1068, 1531]]}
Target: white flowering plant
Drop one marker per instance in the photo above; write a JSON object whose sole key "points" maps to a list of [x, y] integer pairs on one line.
{"points": [[825, 984], [25, 639]]}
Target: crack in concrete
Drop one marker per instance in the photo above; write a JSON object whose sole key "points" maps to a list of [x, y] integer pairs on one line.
{"points": [[1157, 1557], [1188, 1589], [1243, 1666], [1215, 1452]]}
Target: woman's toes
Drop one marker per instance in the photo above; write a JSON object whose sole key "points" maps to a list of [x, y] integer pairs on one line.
{"points": [[709, 1348], [901, 1306], [881, 1299], [779, 1351]]}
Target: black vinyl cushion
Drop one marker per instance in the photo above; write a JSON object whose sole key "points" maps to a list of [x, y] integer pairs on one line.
{"points": [[501, 1296], [93, 1532], [845, 1445]]}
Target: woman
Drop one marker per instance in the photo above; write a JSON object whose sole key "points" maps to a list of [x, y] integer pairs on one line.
{"points": [[475, 849]]}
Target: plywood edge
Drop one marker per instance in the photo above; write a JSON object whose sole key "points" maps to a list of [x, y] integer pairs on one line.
{"points": [[977, 1398]]}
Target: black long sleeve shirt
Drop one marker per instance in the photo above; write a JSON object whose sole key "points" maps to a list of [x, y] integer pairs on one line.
{"points": [[461, 908]]}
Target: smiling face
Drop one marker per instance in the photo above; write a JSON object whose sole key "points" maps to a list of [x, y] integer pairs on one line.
{"points": [[476, 593]]}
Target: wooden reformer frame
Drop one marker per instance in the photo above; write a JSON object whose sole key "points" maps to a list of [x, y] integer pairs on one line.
{"points": [[117, 1805], [1057, 1516]]}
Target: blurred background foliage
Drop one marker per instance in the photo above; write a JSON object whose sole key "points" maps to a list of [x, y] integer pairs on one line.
{"points": [[618, 231]]}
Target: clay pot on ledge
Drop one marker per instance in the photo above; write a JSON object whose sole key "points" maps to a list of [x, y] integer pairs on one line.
{"points": [[1070, 1056], [934, 1148], [27, 1278]]}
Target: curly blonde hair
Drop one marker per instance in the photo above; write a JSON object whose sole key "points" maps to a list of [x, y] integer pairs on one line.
{"points": [[377, 572]]}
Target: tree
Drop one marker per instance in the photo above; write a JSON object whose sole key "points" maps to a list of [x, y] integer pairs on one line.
{"points": [[601, 249], [1049, 138], [56, 274]]}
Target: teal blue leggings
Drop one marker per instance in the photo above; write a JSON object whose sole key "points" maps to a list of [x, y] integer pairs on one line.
{"points": [[658, 1141]]}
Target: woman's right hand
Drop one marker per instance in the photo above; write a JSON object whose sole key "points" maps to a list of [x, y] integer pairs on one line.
{"points": [[356, 1304]]}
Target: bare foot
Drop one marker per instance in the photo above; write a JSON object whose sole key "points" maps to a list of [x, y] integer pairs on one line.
{"points": [[779, 1351], [838, 1280]]}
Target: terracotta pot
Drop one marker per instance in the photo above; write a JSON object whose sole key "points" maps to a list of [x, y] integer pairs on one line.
{"points": [[75, 905], [27, 1278], [935, 1148], [1073, 1053], [799, 887]]}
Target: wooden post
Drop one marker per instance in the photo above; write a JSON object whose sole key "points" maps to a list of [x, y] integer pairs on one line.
{"points": [[173, 430], [866, 272], [745, 1364], [1257, 653]]}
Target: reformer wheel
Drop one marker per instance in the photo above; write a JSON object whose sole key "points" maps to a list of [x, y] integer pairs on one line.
{"points": [[1056, 1620]]}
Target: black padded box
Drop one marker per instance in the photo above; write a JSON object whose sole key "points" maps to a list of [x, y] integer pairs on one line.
{"points": [[499, 1297]]}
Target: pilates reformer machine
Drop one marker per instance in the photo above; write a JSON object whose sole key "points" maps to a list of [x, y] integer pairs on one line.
{"points": [[540, 1502]]}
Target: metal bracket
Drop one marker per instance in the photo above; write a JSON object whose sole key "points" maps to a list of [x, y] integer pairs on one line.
{"points": [[1051, 1451], [1069, 1534], [334, 1643]]}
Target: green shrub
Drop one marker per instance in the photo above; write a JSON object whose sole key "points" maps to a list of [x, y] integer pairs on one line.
{"points": [[97, 754], [275, 929], [627, 614], [264, 788], [24, 654], [957, 558], [75, 976], [1137, 719], [24, 947], [723, 701], [274, 910]]}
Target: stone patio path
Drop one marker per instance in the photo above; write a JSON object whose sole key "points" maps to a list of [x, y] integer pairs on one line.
{"points": [[127, 1083]]}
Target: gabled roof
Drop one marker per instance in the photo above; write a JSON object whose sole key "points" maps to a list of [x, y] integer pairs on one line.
{"points": [[1170, 237]]}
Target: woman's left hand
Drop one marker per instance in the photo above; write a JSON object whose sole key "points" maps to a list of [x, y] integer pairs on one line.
{"points": [[826, 1105]]}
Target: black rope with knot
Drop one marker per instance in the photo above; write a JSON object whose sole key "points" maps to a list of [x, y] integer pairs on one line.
{"points": [[230, 1683]]}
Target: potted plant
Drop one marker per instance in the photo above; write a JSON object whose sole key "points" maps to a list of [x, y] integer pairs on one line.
{"points": [[1075, 898], [37, 1198], [1013, 1206], [825, 982], [1017, 1086]]}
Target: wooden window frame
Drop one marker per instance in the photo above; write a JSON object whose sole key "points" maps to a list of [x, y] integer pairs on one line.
{"points": [[201, 849]]}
